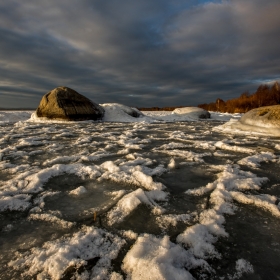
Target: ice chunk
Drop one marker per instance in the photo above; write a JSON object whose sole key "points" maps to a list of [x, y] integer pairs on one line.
{"points": [[61, 159], [192, 112], [172, 164], [242, 266], [259, 201], [129, 203], [224, 146], [255, 160], [200, 237], [200, 240], [232, 178], [19, 202], [110, 166], [115, 276], [129, 234], [51, 219], [159, 258], [132, 175], [173, 145], [78, 191], [54, 258], [187, 155], [126, 205], [36, 181]]}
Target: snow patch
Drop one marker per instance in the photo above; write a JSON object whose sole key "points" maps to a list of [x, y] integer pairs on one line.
{"points": [[54, 258], [160, 258]]}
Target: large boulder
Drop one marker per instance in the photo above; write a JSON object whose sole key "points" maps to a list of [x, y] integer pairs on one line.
{"points": [[63, 103], [268, 116], [194, 112]]}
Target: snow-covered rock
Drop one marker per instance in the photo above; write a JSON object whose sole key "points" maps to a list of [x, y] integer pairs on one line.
{"points": [[268, 116], [115, 112], [263, 120], [192, 112]]}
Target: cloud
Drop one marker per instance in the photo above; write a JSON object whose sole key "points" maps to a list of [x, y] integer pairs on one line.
{"points": [[140, 53]]}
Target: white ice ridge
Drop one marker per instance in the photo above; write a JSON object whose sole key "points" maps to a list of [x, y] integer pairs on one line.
{"points": [[160, 259], [130, 202], [164, 221], [54, 258], [201, 236], [18, 202], [231, 178], [51, 219], [265, 202], [133, 175], [15, 192], [78, 158], [32, 141], [187, 155], [33, 183], [207, 145], [223, 146], [181, 136], [255, 160], [172, 146]]}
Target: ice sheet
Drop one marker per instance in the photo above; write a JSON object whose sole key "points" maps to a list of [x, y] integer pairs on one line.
{"points": [[113, 200]]}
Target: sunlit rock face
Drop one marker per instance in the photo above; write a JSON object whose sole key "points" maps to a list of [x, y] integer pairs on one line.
{"points": [[193, 111], [63, 103], [268, 116]]}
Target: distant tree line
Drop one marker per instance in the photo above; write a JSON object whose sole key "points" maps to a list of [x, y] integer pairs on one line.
{"points": [[264, 96]]}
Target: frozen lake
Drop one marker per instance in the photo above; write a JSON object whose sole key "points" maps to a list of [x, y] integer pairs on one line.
{"points": [[143, 200]]}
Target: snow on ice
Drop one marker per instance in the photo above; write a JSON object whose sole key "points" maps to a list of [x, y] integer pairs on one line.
{"points": [[149, 195]]}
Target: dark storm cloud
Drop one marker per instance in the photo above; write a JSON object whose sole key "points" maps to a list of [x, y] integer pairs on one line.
{"points": [[141, 53]]}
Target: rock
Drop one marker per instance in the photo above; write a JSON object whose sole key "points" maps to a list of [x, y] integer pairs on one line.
{"points": [[63, 103], [192, 111], [268, 116]]}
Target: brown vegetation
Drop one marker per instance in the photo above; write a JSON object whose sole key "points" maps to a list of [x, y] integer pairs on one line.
{"points": [[264, 96]]}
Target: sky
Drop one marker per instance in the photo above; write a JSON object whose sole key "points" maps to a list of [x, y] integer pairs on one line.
{"points": [[141, 53]]}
